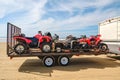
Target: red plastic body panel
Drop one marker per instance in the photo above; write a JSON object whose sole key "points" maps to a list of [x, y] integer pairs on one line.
{"points": [[22, 38], [88, 40]]}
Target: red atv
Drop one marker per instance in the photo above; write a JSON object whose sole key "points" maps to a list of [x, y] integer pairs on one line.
{"points": [[24, 43], [93, 42]]}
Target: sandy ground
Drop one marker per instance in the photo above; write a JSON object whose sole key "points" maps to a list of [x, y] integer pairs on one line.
{"points": [[80, 68]]}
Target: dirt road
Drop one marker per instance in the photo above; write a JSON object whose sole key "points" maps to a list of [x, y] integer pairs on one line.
{"points": [[80, 68]]}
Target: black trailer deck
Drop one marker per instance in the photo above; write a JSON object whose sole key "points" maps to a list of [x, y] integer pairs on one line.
{"points": [[30, 54]]}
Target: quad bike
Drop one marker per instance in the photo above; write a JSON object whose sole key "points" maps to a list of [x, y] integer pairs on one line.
{"points": [[68, 44], [82, 44], [93, 42], [24, 43]]}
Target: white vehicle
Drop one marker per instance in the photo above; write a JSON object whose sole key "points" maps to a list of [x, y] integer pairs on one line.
{"points": [[110, 34]]}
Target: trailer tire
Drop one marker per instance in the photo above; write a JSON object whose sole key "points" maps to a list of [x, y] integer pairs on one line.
{"points": [[48, 61], [63, 60], [20, 48]]}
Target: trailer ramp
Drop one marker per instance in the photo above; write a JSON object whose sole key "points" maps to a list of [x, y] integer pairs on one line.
{"points": [[11, 31]]}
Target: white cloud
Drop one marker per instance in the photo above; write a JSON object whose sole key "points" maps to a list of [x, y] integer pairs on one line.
{"points": [[34, 10], [79, 21], [9, 7], [3, 30], [31, 21], [2, 13], [37, 11], [81, 4]]}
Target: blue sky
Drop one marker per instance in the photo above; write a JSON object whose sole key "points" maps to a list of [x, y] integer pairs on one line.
{"points": [[63, 17]]}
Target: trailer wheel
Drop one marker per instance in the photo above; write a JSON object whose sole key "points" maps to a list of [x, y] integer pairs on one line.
{"points": [[20, 48], [63, 60], [48, 61], [46, 47]]}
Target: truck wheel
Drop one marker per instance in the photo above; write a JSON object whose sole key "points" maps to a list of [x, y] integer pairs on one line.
{"points": [[46, 47], [20, 48], [58, 49], [63, 60], [48, 61]]}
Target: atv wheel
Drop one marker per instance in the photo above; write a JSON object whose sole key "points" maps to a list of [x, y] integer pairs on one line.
{"points": [[46, 47], [85, 47], [103, 47], [20, 48], [58, 49]]}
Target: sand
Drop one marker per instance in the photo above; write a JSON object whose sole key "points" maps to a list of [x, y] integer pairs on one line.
{"points": [[80, 68]]}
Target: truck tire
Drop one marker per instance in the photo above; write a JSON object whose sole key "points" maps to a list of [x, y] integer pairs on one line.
{"points": [[48, 61], [63, 60], [46, 47], [20, 48]]}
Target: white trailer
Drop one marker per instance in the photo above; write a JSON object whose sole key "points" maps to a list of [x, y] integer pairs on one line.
{"points": [[110, 34]]}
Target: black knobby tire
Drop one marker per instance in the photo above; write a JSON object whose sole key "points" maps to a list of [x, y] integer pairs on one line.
{"points": [[46, 47], [20, 48], [58, 49], [48, 61], [103, 47], [86, 48], [76, 48], [63, 60]]}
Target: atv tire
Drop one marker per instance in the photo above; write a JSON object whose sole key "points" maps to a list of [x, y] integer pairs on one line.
{"points": [[86, 48], [20, 48], [46, 47], [103, 47], [58, 49]]}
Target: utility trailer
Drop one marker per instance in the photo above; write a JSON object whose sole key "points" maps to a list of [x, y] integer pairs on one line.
{"points": [[110, 31], [48, 59]]}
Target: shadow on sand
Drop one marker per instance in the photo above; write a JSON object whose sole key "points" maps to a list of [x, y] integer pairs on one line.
{"points": [[115, 57], [34, 66]]}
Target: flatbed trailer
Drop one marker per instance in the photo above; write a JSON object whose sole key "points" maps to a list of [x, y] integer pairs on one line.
{"points": [[48, 59]]}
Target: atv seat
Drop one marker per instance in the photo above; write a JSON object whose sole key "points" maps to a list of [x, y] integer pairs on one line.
{"points": [[34, 42], [33, 39]]}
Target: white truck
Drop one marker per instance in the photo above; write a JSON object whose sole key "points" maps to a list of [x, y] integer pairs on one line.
{"points": [[110, 34]]}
